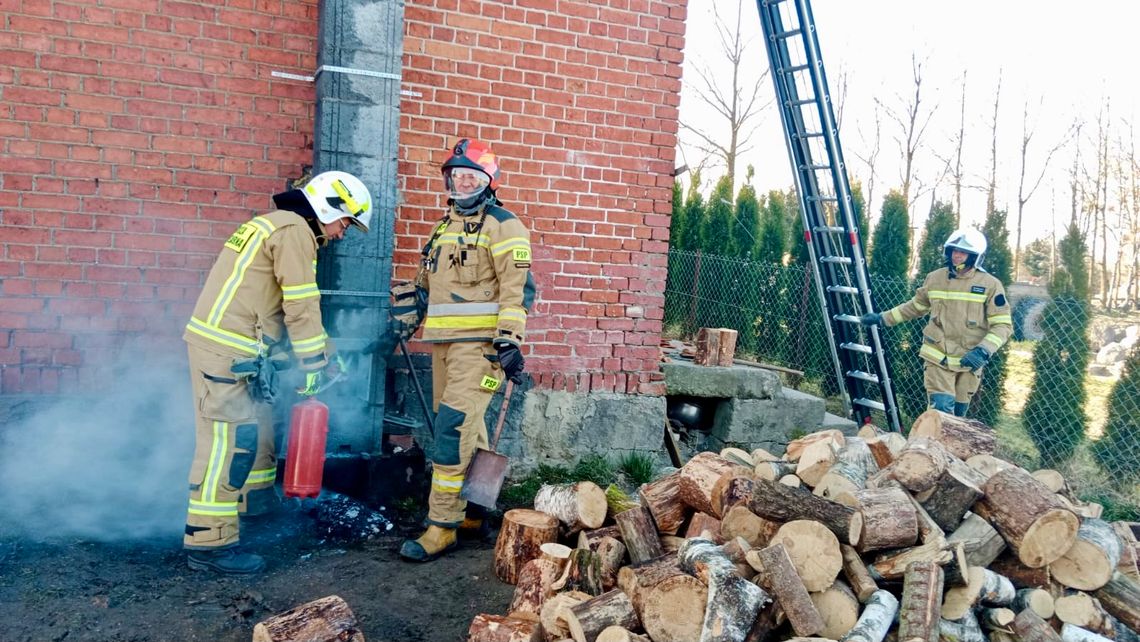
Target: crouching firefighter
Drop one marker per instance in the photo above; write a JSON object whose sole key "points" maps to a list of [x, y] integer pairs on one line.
{"points": [[969, 321], [476, 271], [260, 299]]}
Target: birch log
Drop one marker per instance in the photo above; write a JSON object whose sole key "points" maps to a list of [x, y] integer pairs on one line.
{"points": [[1070, 633], [966, 629], [670, 602], [733, 602], [1092, 559], [876, 619], [984, 587], [1085, 611], [581, 505], [839, 608], [587, 619], [1039, 600]]}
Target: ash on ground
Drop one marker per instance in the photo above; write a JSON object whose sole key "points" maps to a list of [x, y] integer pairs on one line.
{"points": [[341, 519]]}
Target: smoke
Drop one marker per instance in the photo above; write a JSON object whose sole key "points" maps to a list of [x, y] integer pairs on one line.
{"points": [[106, 467]]}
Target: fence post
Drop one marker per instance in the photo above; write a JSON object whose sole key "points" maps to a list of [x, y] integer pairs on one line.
{"points": [[695, 294]]}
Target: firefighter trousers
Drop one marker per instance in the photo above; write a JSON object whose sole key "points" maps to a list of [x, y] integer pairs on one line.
{"points": [[463, 381], [950, 391], [235, 459]]}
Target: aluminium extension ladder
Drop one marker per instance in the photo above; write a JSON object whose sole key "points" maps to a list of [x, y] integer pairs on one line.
{"points": [[825, 202]]}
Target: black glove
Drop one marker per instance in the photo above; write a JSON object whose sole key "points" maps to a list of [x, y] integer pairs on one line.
{"points": [[976, 359], [510, 360], [872, 318]]}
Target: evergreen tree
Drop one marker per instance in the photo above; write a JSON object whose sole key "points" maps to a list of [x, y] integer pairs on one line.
{"points": [[1118, 451], [678, 269], [746, 227], [694, 215], [1054, 413], [999, 262], [773, 230], [862, 220], [716, 226], [891, 239], [939, 226], [1038, 258], [677, 216]]}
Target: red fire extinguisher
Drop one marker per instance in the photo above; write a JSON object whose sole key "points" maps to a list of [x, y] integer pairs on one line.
{"points": [[305, 462]]}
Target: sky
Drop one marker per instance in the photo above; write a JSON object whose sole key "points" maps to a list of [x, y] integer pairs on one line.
{"points": [[1062, 59]]}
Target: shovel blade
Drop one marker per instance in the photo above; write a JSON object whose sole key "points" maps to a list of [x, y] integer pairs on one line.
{"points": [[484, 478]]}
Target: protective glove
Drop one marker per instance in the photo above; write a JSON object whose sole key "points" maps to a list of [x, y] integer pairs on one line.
{"points": [[314, 380], [318, 380], [510, 360], [872, 318], [976, 359]]}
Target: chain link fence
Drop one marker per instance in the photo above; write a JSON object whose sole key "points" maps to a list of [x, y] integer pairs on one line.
{"points": [[1053, 398]]}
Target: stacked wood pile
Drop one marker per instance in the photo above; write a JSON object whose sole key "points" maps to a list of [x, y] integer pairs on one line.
{"points": [[854, 538]]}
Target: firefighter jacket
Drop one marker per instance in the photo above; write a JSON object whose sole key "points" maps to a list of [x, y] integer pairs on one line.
{"points": [[476, 269], [965, 312], [262, 289]]}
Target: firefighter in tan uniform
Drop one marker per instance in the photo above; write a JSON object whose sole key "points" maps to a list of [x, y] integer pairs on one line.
{"points": [[476, 270], [260, 299], [969, 321]]}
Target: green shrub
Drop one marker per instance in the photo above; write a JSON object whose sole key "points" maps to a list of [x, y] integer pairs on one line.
{"points": [[637, 467], [1118, 451]]}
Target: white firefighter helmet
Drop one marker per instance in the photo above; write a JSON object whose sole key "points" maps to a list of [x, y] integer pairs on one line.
{"points": [[335, 195], [970, 241]]}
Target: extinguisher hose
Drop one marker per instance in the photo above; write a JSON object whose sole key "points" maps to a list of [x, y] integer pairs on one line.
{"points": [[419, 389]]}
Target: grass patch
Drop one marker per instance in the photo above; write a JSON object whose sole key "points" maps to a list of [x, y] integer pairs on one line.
{"points": [[637, 468], [521, 492]]}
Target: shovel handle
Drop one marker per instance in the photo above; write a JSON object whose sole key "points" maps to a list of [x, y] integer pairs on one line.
{"points": [[502, 414]]}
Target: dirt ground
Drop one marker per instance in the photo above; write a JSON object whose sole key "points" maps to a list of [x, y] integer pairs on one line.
{"points": [[142, 591]]}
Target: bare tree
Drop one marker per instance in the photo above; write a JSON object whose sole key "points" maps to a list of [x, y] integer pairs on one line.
{"points": [[738, 104], [953, 162], [991, 187], [912, 123], [1134, 227], [1027, 186], [872, 157]]}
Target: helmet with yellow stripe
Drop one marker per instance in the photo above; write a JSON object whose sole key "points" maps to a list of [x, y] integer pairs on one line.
{"points": [[335, 195]]}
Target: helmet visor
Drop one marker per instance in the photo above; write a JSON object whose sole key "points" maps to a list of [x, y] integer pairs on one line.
{"points": [[464, 182]]}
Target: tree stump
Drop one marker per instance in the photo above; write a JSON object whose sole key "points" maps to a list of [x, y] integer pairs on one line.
{"points": [[813, 550], [497, 628], [639, 534], [587, 619], [778, 576], [521, 537], [1092, 559], [581, 505], [670, 602], [877, 617], [328, 619], [920, 611], [1029, 516], [699, 476], [962, 437], [733, 602], [663, 499], [780, 503], [889, 518]]}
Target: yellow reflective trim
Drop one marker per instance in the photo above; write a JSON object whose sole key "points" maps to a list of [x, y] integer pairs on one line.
{"points": [[1000, 319], [452, 490], [237, 275], [304, 291], [262, 476], [938, 355], [512, 315], [956, 296], [442, 477], [455, 238], [481, 321], [218, 448], [921, 306], [510, 244], [312, 344], [222, 337], [994, 339], [896, 314], [218, 509], [447, 483]]}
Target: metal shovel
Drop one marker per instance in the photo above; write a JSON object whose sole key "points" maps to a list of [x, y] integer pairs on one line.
{"points": [[488, 468]]}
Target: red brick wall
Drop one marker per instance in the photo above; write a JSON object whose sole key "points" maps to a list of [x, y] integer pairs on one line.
{"points": [[581, 104], [134, 133]]}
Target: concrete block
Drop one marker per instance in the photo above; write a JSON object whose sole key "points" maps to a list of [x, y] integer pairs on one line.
{"points": [[767, 423], [741, 382], [842, 424]]}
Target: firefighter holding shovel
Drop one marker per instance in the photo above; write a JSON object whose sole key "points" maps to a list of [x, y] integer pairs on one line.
{"points": [[475, 272]]}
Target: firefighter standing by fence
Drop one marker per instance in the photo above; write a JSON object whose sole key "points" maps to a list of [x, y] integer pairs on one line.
{"points": [[260, 299], [969, 321], [476, 273]]}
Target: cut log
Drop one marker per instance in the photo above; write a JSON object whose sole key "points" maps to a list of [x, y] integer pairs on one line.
{"points": [[699, 476], [328, 619], [855, 570], [555, 552], [966, 629], [850, 470], [670, 543], [889, 518], [1053, 480], [587, 619], [639, 534], [928, 530], [962, 437], [670, 602], [984, 586], [759, 454], [982, 541], [737, 456], [920, 611], [1039, 600], [1029, 627], [741, 522], [577, 506], [704, 525], [533, 588], [876, 619], [780, 503], [591, 539], [1121, 598], [885, 448], [618, 634], [920, 464], [814, 552], [707, 347], [1092, 559], [791, 481], [996, 618], [1128, 553], [611, 555], [736, 550], [1070, 633], [816, 460], [730, 492], [583, 572], [773, 470], [1029, 516], [953, 494], [988, 465], [839, 609], [521, 537], [498, 628], [1010, 567], [1085, 611], [767, 621], [733, 602], [662, 498], [778, 577], [727, 348], [797, 446], [892, 566], [551, 618]]}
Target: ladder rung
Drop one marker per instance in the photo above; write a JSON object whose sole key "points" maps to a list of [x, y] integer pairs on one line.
{"points": [[787, 34], [863, 376], [856, 347], [835, 259], [809, 135], [822, 199], [792, 70], [829, 228], [843, 289], [869, 404], [847, 318], [801, 102], [816, 167]]}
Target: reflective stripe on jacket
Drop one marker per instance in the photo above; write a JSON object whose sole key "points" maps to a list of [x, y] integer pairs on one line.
{"points": [[263, 279], [965, 312], [479, 282]]}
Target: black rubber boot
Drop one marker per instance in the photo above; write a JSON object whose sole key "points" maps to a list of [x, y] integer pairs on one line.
{"points": [[227, 561]]}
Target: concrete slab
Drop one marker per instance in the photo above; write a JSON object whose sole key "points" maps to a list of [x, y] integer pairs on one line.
{"points": [[742, 382], [767, 423]]}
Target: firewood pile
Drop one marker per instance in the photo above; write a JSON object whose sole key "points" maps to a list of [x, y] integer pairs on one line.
{"points": [[859, 539]]}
